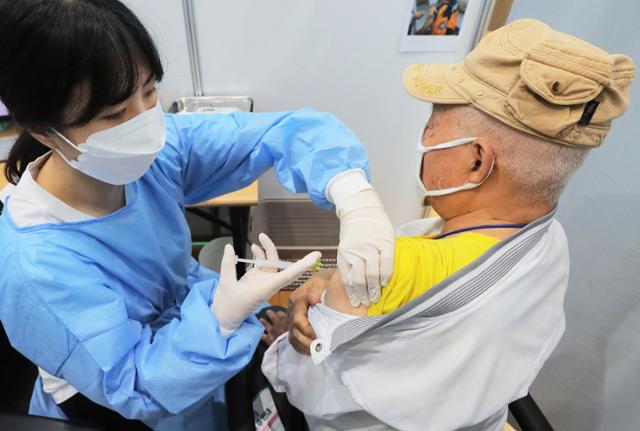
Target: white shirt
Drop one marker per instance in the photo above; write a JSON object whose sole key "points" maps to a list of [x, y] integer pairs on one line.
{"points": [[30, 204], [452, 359]]}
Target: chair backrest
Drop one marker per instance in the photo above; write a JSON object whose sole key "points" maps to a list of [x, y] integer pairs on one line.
{"points": [[17, 375], [528, 415], [37, 423], [211, 254]]}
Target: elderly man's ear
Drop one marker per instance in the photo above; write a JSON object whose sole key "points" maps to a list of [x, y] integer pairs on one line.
{"points": [[482, 161]]}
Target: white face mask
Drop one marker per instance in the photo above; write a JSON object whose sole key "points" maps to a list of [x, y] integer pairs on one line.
{"points": [[121, 154], [441, 192]]}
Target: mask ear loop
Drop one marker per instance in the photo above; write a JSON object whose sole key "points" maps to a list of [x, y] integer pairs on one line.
{"points": [[451, 144], [441, 192], [65, 139], [420, 166], [74, 146], [422, 150], [465, 186]]}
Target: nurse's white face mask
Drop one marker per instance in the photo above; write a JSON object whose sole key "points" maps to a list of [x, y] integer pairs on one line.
{"points": [[121, 154], [422, 150]]}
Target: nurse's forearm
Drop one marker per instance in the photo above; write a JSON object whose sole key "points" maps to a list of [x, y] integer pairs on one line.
{"points": [[310, 150]]}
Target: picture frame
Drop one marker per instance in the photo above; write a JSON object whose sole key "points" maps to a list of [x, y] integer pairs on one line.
{"points": [[450, 25]]}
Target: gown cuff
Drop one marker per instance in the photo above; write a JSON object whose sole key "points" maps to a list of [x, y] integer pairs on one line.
{"points": [[345, 185]]}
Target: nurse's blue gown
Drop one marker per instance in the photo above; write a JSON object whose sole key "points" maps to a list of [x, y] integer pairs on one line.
{"points": [[117, 306]]}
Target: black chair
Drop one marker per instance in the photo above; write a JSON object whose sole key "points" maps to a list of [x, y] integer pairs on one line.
{"points": [[244, 387], [17, 375], [528, 415], [10, 421]]}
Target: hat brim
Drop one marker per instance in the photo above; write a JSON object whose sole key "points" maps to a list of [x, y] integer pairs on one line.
{"points": [[428, 83]]}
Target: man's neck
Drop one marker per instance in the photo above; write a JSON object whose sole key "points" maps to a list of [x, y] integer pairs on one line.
{"points": [[78, 190], [486, 216]]}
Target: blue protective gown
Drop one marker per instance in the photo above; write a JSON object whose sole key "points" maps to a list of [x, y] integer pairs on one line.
{"points": [[117, 306]]}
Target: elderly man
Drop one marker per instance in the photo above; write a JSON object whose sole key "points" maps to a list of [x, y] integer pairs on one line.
{"points": [[475, 305]]}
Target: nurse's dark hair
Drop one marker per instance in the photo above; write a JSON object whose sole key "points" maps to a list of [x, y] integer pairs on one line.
{"points": [[53, 50]]}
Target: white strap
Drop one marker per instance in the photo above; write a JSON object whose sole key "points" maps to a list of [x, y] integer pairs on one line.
{"points": [[462, 141]]}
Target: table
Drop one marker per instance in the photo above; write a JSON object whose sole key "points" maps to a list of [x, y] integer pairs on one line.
{"points": [[239, 204], [3, 180]]}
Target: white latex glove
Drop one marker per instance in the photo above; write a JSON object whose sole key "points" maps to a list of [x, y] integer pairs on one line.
{"points": [[235, 299], [366, 250]]}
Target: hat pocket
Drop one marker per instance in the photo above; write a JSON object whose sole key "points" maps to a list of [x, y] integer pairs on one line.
{"points": [[550, 96], [561, 85], [539, 114]]}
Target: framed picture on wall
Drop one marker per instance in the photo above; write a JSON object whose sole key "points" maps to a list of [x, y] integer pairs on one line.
{"points": [[450, 25]]}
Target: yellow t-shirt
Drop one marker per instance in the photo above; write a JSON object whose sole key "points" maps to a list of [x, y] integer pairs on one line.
{"points": [[422, 262]]}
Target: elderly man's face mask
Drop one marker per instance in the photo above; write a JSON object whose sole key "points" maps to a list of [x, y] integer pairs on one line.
{"points": [[422, 150]]}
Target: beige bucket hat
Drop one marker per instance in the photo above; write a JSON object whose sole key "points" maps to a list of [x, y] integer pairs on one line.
{"points": [[534, 79]]}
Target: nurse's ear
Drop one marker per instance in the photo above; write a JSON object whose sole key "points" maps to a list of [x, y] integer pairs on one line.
{"points": [[482, 159], [46, 137], [55, 142]]}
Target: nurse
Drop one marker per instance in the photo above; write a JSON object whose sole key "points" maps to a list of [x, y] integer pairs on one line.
{"points": [[97, 284]]}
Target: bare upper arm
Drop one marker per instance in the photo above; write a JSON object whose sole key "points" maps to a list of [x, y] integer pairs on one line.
{"points": [[336, 297]]}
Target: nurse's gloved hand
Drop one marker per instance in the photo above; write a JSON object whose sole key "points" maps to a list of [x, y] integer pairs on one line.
{"points": [[366, 250], [235, 299]]}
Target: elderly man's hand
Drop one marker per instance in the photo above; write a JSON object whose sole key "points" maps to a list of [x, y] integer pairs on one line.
{"points": [[301, 334], [276, 325]]}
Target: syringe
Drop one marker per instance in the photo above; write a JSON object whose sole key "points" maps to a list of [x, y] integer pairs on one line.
{"points": [[280, 264]]}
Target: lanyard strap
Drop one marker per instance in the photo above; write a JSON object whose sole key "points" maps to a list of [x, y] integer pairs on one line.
{"points": [[484, 226]]}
